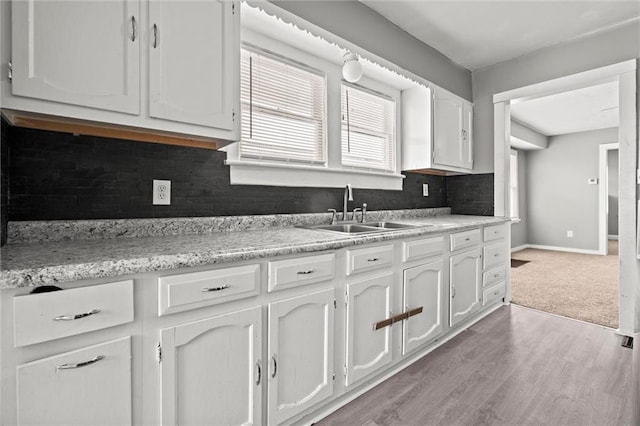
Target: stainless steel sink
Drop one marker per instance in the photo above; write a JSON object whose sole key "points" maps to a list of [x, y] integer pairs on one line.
{"points": [[361, 228], [388, 225], [347, 228]]}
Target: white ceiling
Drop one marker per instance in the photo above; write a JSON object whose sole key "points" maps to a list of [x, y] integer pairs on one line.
{"points": [[479, 33], [579, 110]]}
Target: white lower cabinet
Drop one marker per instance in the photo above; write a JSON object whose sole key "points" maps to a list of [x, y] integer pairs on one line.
{"points": [[368, 347], [465, 281], [89, 386], [422, 300], [300, 354], [211, 372]]}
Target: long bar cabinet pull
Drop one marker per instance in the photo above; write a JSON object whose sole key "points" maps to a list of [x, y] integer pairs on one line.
{"points": [[80, 364], [259, 379], [76, 316], [310, 271]]}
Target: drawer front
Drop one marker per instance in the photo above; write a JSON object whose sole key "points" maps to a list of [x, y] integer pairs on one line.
{"points": [[493, 294], [301, 271], [493, 276], [89, 386], [47, 316], [494, 232], [368, 259], [465, 239], [494, 255], [197, 289], [420, 249]]}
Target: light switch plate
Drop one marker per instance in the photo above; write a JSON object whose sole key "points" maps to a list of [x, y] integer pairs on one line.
{"points": [[592, 181], [425, 189]]}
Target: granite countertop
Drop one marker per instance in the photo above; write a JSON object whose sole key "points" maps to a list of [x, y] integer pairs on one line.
{"points": [[35, 263]]}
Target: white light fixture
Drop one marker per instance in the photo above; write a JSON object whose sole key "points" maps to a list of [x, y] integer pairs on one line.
{"points": [[351, 69]]}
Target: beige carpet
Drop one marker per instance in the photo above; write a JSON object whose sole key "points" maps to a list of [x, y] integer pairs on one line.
{"points": [[573, 285]]}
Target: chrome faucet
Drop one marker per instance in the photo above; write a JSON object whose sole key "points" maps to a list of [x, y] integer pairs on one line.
{"points": [[348, 196]]}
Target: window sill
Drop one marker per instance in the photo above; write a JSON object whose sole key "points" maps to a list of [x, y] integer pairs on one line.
{"points": [[251, 173]]}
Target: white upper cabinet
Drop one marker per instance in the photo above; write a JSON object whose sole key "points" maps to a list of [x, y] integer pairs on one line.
{"points": [[168, 66], [436, 129], [192, 62], [77, 52]]}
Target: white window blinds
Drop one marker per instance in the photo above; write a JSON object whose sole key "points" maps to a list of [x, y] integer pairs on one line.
{"points": [[283, 110], [368, 128]]}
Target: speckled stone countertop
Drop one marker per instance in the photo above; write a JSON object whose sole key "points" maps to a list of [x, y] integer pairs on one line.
{"points": [[29, 264]]}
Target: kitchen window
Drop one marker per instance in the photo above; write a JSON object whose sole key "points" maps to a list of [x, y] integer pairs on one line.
{"points": [[292, 127], [283, 110], [368, 128]]}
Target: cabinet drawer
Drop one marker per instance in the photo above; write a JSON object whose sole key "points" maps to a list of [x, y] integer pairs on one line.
{"points": [[419, 249], [493, 276], [368, 259], [90, 386], [197, 289], [465, 239], [47, 316], [494, 232], [492, 294], [301, 271], [494, 255]]}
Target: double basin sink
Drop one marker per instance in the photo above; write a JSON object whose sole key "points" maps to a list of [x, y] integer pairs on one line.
{"points": [[362, 228]]}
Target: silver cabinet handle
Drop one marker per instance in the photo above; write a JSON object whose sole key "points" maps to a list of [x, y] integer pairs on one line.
{"points": [[76, 316], [134, 28], [467, 239], [259, 379], [496, 275], [275, 366], [454, 292], [222, 287], [80, 364], [310, 271], [373, 259], [496, 255], [155, 36]]}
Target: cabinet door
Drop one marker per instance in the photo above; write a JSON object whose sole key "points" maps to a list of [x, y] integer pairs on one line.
{"points": [[211, 371], [194, 61], [465, 276], [422, 288], [448, 145], [467, 136], [301, 354], [90, 386], [368, 349], [78, 52]]}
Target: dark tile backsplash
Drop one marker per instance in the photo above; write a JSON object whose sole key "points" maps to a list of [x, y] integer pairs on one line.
{"points": [[5, 129], [62, 176], [470, 194], [49, 175]]}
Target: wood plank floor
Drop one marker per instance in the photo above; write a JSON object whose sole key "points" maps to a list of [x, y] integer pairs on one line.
{"points": [[515, 367]]}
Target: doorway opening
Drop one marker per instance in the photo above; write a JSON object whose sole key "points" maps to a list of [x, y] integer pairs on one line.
{"points": [[564, 237]]}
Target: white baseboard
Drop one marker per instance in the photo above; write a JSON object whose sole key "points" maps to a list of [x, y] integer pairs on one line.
{"points": [[519, 248], [612, 237], [566, 249]]}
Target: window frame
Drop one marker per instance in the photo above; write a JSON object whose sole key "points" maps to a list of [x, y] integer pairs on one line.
{"points": [[244, 171], [394, 115], [283, 59]]}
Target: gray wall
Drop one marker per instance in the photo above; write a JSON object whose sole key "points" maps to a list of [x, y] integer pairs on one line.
{"points": [[560, 60], [613, 172], [559, 198], [355, 22], [519, 231]]}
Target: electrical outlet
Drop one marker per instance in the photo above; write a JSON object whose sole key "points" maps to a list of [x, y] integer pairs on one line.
{"points": [[161, 192], [570, 234], [425, 189]]}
